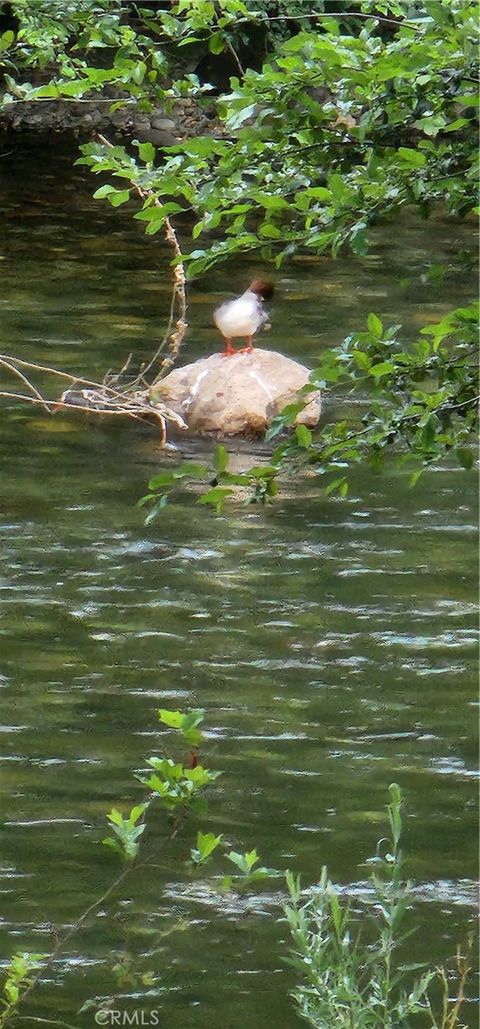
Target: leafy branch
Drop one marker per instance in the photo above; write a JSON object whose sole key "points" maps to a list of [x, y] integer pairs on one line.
{"points": [[177, 788], [418, 404]]}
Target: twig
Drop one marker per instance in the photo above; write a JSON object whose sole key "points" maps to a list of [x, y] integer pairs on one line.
{"points": [[138, 412], [29, 385], [177, 336], [73, 929], [340, 16], [117, 376], [99, 398], [454, 407], [60, 944], [233, 52], [229, 45], [463, 968], [60, 404], [73, 379], [107, 398], [146, 368], [69, 100], [48, 1021]]}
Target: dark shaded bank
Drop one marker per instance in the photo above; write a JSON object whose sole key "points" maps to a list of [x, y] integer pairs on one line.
{"points": [[84, 118]]}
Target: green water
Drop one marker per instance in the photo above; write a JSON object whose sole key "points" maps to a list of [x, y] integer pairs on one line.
{"points": [[331, 642]]}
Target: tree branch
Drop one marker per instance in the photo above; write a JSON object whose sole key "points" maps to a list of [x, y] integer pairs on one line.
{"points": [[177, 336]]}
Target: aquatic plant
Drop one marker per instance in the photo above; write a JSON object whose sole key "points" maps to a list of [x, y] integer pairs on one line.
{"points": [[344, 980], [350, 974]]}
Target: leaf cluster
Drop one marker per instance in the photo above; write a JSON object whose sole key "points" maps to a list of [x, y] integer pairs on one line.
{"points": [[258, 483], [18, 976], [420, 399], [178, 788]]}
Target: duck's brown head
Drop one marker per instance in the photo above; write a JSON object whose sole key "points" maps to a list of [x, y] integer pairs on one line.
{"points": [[262, 288]]}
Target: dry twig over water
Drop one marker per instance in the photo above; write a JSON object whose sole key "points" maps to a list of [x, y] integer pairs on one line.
{"points": [[85, 395], [115, 395]]}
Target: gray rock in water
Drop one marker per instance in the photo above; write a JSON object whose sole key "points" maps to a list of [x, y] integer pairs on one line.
{"points": [[238, 395]]}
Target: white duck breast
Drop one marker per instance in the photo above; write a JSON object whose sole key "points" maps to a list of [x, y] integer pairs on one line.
{"points": [[241, 317]]}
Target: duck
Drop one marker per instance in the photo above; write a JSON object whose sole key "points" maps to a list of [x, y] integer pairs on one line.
{"points": [[244, 316]]}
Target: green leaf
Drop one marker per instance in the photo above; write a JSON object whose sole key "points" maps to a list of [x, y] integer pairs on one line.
{"points": [[6, 39], [244, 862], [431, 125], [206, 844], [216, 43], [173, 719], [155, 214], [358, 239], [304, 436], [190, 731], [146, 151], [191, 470], [220, 458], [12, 991], [215, 497], [319, 193], [375, 326], [236, 120], [414, 158], [137, 812], [465, 457], [454, 126], [187, 724], [415, 476], [103, 191], [336, 486], [139, 72], [159, 506], [468, 100], [270, 231], [384, 368], [361, 360], [119, 197], [162, 479]]}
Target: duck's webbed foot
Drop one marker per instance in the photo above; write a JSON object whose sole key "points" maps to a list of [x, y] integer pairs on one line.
{"points": [[248, 349], [229, 350]]}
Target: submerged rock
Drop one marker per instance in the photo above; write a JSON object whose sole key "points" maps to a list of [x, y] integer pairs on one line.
{"points": [[238, 395]]}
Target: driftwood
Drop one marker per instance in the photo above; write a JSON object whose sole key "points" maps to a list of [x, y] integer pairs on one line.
{"points": [[84, 395]]}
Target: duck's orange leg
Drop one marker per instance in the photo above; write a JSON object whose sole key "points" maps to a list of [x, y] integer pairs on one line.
{"points": [[248, 349], [229, 350]]}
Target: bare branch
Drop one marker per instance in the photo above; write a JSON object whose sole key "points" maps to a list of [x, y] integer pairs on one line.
{"points": [[16, 371], [177, 336], [109, 397]]}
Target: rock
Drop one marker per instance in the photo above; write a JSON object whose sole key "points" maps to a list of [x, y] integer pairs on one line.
{"points": [[142, 123], [159, 121], [159, 137], [236, 395]]}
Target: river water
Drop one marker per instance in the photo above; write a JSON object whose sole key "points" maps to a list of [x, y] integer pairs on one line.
{"points": [[332, 643]]}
